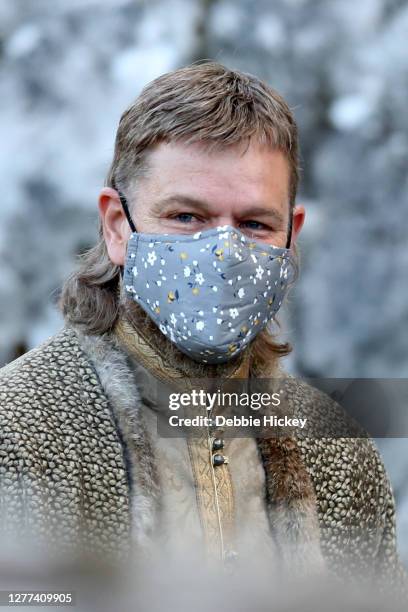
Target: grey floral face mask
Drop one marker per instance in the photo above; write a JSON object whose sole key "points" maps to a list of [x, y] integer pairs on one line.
{"points": [[211, 292]]}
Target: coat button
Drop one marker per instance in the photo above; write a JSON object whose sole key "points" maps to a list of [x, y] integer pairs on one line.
{"points": [[219, 460], [218, 444]]}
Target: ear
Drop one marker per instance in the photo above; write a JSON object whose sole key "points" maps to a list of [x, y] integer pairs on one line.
{"points": [[116, 230], [299, 214]]}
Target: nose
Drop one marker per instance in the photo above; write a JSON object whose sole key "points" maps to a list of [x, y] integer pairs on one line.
{"points": [[223, 220]]}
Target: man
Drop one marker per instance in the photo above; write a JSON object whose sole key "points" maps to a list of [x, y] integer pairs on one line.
{"points": [[195, 254]]}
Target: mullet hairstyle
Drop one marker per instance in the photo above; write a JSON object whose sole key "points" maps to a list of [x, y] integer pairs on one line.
{"points": [[203, 103]]}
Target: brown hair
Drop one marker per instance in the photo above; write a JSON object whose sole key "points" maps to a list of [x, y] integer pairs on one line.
{"points": [[202, 102]]}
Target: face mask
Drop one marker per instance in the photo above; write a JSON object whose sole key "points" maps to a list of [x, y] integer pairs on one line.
{"points": [[211, 292]]}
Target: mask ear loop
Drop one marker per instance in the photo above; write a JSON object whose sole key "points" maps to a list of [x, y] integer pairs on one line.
{"points": [[125, 207], [126, 211], [290, 231]]}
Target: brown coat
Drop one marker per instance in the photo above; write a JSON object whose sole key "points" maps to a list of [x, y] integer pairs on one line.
{"points": [[76, 465]]}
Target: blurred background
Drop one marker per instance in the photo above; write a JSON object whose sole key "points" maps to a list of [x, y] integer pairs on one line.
{"points": [[69, 69]]}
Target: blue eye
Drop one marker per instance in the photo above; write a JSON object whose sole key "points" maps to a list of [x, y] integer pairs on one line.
{"points": [[254, 225], [184, 217]]}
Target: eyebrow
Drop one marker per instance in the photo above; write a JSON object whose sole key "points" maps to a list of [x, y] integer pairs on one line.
{"points": [[255, 210]]}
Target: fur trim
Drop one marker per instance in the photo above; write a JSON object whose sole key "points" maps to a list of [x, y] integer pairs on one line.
{"points": [[291, 505], [290, 496], [118, 383]]}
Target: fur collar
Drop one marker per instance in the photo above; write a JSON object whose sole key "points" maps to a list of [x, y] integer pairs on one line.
{"points": [[118, 383], [291, 505], [290, 496]]}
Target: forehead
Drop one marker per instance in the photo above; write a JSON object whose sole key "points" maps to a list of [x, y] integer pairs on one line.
{"points": [[238, 175]]}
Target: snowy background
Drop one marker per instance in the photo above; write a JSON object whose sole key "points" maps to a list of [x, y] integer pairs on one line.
{"points": [[70, 67]]}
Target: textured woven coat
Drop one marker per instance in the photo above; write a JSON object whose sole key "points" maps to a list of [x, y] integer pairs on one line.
{"points": [[76, 467]]}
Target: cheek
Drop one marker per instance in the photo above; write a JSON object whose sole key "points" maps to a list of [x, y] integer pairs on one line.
{"points": [[148, 226], [146, 222]]}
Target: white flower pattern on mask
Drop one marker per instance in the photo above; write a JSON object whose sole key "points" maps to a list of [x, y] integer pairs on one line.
{"points": [[199, 278], [151, 257], [259, 272], [205, 273], [284, 272]]}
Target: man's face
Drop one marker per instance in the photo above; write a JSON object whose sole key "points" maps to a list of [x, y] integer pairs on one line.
{"points": [[188, 189]]}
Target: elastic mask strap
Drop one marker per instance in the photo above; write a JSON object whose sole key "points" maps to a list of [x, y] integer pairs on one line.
{"points": [[128, 217], [126, 210], [124, 206], [290, 231]]}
